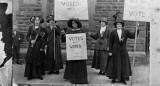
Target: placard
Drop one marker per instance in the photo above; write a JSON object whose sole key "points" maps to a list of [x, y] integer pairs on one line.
{"points": [[137, 10], [76, 46], [66, 9]]}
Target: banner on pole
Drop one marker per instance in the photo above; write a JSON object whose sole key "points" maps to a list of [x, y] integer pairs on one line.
{"points": [[66, 9], [76, 46], [137, 10]]}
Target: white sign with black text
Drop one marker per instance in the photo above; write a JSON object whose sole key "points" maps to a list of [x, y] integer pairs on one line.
{"points": [[137, 10], [66, 9], [76, 46]]}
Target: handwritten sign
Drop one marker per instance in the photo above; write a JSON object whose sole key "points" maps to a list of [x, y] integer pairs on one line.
{"points": [[76, 46], [66, 9], [137, 10]]}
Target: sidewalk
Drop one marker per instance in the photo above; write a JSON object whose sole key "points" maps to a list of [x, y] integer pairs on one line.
{"points": [[140, 78]]}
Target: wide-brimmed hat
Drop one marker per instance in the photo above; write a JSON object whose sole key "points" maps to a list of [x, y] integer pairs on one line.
{"points": [[50, 17], [118, 18], [69, 23], [3, 6], [118, 21], [32, 19], [104, 20]]}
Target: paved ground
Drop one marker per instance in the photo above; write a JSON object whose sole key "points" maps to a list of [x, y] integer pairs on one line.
{"points": [[140, 78]]}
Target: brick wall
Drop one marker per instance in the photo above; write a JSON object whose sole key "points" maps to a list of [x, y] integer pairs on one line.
{"points": [[23, 10], [107, 8], [97, 9]]}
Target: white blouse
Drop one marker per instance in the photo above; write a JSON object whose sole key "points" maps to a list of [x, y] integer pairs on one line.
{"points": [[102, 30], [36, 27], [119, 31]]}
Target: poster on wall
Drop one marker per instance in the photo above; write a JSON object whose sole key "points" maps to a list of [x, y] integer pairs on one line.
{"points": [[66, 9], [76, 46]]}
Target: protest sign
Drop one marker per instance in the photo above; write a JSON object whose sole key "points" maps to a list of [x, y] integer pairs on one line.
{"points": [[76, 46], [66, 9], [137, 10]]}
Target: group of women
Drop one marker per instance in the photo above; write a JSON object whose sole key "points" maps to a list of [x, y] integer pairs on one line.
{"points": [[39, 38], [110, 52]]}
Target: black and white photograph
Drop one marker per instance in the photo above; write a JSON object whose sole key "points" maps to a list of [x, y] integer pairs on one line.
{"points": [[79, 43]]}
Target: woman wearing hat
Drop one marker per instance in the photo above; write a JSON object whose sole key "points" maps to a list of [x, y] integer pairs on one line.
{"points": [[76, 70], [101, 47], [119, 67], [34, 67], [54, 58]]}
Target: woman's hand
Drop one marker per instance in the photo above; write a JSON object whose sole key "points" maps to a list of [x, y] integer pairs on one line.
{"points": [[41, 49], [33, 41], [107, 48], [19, 38], [45, 47], [110, 54], [89, 33]]}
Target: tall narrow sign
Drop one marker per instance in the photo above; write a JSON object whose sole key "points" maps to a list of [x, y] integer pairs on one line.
{"points": [[155, 44]]}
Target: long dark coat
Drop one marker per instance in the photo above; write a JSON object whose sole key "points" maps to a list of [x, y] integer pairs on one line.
{"points": [[76, 70], [16, 39], [119, 64], [35, 58], [100, 51], [53, 63]]}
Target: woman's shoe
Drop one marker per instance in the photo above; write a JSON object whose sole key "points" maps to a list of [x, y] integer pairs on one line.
{"points": [[124, 82], [100, 73], [29, 78], [103, 73], [57, 72], [40, 77], [113, 81], [51, 72]]}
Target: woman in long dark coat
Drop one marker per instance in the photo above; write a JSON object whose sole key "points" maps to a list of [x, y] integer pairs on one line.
{"points": [[101, 47], [34, 67], [76, 70], [54, 58], [119, 67]]}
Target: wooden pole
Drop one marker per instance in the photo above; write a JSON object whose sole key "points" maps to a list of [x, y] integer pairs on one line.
{"points": [[135, 41], [54, 41], [12, 73], [54, 30]]}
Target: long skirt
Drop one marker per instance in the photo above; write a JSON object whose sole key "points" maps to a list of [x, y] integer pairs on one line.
{"points": [[33, 70], [35, 61], [54, 62], [119, 66], [100, 60], [76, 72]]}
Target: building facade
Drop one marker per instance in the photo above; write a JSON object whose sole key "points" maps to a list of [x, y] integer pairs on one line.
{"points": [[24, 9]]}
